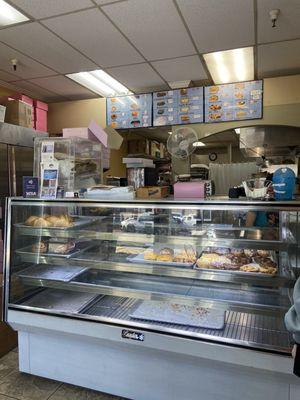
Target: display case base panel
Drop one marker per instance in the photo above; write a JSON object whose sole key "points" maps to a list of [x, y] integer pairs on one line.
{"points": [[244, 329]]}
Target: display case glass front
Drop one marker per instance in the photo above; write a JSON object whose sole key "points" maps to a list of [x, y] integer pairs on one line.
{"points": [[212, 270]]}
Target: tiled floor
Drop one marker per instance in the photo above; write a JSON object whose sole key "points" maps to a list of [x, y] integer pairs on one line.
{"points": [[20, 386]]}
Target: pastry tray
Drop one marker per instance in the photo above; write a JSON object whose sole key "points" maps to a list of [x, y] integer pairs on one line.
{"points": [[139, 259], [78, 223], [181, 314], [231, 271], [62, 273], [60, 300], [79, 248]]}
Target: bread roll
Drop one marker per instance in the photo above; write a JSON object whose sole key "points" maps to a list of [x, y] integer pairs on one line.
{"points": [[40, 222], [29, 221]]}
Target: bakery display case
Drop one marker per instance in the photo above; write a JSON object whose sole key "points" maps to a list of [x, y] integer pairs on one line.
{"points": [[154, 273]]}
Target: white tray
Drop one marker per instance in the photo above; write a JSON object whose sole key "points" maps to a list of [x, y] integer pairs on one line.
{"points": [[140, 259], [181, 314]]}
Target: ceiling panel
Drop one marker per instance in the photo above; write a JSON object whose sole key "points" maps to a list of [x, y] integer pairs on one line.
{"points": [[26, 68], [48, 8], [101, 2], [36, 41], [36, 91], [219, 25], [281, 58], [138, 78], [179, 69], [287, 25], [64, 87], [5, 76], [98, 38], [154, 27]]}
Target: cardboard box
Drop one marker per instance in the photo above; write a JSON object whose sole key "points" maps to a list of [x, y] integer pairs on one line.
{"points": [[152, 192], [40, 119], [140, 146], [40, 104], [19, 113], [2, 113]]}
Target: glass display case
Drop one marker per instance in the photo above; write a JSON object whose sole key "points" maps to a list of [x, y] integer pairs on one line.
{"points": [[191, 269], [79, 161]]}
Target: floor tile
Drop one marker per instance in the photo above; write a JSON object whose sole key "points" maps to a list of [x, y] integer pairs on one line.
{"points": [[27, 387], [8, 364], [70, 392]]}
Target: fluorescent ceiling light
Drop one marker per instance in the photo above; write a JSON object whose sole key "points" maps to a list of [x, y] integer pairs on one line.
{"points": [[235, 65], [237, 131], [198, 144], [9, 15], [100, 82]]}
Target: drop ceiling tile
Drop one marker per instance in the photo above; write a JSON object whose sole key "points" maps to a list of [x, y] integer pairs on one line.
{"points": [[287, 25], [281, 58], [36, 41], [34, 90], [139, 77], [154, 27], [219, 25], [26, 68], [180, 69], [101, 2], [48, 8], [98, 38], [64, 87], [5, 76]]}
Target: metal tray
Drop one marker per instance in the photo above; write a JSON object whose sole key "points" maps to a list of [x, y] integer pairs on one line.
{"points": [[140, 260], [78, 223], [60, 273], [231, 271], [34, 257], [60, 300], [181, 314]]}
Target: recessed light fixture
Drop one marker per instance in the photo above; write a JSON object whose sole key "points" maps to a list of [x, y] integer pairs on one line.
{"points": [[9, 15], [237, 131], [198, 144], [235, 65], [100, 82]]}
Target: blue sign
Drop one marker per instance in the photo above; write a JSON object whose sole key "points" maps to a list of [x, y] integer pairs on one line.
{"points": [[30, 186], [233, 102], [126, 112], [180, 106]]}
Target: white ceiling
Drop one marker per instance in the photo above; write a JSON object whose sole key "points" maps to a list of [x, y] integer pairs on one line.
{"points": [[142, 43]]}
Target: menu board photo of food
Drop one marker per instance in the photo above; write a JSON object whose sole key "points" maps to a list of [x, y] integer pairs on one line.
{"points": [[180, 106], [126, 112], [233, 102]]}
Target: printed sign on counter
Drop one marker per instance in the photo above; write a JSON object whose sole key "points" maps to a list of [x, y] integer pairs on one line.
{"points": [[129, 111], [180, 106], [233, 102]]}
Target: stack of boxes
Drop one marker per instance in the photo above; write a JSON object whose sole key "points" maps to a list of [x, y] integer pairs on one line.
{"points": [[40, 115], [23, 111]]}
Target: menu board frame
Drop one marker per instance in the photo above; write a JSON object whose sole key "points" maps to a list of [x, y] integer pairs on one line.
{"points": [[131, 127], [182, 123], [240, 119]]}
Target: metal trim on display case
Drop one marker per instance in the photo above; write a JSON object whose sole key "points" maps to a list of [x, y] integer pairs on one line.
{"points": [[6, 259]]}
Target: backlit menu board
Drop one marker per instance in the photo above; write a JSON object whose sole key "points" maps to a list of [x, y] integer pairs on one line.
{"points": [[180, 106], [233, 102], [129, 111]]}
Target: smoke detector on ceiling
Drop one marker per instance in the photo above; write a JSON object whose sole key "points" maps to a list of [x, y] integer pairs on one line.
{"points": [[180, 84], [274, 16]]}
